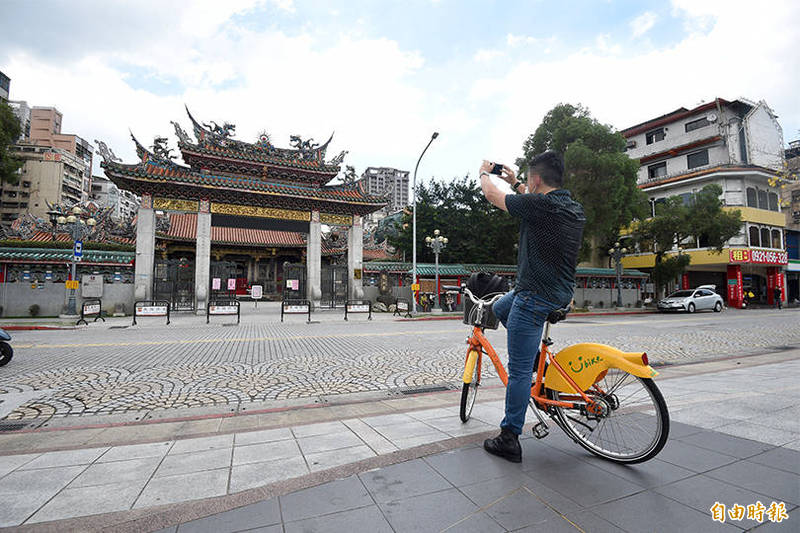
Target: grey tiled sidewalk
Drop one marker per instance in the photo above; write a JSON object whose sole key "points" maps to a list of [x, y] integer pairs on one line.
{"points": [[558, 487]]}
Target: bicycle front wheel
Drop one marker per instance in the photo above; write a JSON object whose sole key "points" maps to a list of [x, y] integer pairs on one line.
{"points": [[631, 421], [470, 390]]}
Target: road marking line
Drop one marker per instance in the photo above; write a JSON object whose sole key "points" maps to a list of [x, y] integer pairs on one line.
{"points": [[240, 339]]}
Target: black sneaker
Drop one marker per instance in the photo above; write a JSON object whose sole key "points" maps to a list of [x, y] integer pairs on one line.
{"points": [[505, 445]]}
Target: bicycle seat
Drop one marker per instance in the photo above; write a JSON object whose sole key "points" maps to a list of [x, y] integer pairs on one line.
{"points": [[558, 315]]}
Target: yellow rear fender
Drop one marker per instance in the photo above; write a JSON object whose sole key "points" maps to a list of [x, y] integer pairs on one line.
{"points": [[586, 363]]}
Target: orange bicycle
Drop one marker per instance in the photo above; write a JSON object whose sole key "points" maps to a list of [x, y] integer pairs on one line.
{"points": [[602, 398]]}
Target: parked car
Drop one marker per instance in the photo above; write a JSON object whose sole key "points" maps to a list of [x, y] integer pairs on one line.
{"points": [[703, 297]]}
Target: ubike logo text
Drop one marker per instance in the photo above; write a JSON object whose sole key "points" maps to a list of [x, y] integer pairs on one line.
{"points": [[584, 363]]}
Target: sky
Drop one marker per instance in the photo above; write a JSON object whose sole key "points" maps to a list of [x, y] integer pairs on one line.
{"points": [[384, 75]]}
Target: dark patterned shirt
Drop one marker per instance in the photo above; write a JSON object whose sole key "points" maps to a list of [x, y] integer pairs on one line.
{"points": [[550, 236]]}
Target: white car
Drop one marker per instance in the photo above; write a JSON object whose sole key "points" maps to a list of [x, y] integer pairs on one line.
{"points": [[692, 300]]}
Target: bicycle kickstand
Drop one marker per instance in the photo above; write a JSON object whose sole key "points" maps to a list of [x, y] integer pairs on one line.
{"points": [[540, 429]]}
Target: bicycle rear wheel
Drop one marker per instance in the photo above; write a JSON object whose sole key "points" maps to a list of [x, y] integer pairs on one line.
{"points": [[633, 424], [470, 390]]}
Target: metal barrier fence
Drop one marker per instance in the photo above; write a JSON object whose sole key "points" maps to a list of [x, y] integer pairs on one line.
{"points": [[91, 307], [151, 308], [402, 305], [224, 307], [296, 307], [357, 306]]}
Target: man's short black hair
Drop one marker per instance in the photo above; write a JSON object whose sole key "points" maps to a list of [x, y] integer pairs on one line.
{"points": [[550, 166]]}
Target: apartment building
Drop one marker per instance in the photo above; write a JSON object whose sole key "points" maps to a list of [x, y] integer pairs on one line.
{"points": [[125, 204], [5, 87], [738, 145], [791, 203], [45, 130], [391, 182], [23, 113], [49, 175]]}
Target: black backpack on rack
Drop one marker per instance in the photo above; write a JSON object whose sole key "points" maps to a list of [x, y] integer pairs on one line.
{"points": [[483, 285]]}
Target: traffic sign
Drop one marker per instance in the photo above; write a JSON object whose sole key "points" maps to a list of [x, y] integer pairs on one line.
{"points": [[72, 284], [77, 251]]}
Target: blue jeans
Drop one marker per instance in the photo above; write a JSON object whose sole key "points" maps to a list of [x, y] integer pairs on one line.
{"points": [[523, 314]]}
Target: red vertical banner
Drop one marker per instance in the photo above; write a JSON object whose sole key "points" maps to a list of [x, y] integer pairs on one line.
{"points": [[735, 289], [780, 282], [771, 275], [685, 281]]}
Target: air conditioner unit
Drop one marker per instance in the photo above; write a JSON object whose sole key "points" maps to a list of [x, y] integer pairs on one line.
{"points": [[630, 144]]}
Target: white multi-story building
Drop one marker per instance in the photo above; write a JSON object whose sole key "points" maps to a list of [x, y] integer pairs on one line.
{"points": [[23, 113], [106, 194], [739, 146], [388, 181]]}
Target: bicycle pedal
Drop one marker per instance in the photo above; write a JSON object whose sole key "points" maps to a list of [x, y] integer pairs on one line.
{"points": [[540, 430]]}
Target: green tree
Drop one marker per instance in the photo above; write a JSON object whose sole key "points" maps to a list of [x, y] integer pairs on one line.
{"points": [[597, 171], [700, 222], [9, 133], [477, 231]]}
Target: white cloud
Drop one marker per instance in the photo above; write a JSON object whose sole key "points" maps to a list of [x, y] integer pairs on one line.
{"points": [[743, 52], [384, 100], [485, 55], [643, 23], [520, 40]]}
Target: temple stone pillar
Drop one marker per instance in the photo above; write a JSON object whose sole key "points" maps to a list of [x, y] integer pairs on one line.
{"points": [[314, 261], [145, 250], [202, 258], [355, 259]]}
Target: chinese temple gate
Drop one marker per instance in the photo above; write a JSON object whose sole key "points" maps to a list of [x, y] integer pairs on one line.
{"points": [[240, 208]]}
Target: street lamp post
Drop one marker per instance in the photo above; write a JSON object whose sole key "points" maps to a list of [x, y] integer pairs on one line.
{"points": [[437, 243], [616, 253], [76, 228], [414, 223]]}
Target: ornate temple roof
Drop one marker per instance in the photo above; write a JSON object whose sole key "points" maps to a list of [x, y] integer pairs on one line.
{"points": [[228, 170], [183, 227]]}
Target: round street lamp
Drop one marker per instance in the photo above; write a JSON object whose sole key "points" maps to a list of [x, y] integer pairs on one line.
{"points": [[78, 229], [437, 243], [616, 253]]}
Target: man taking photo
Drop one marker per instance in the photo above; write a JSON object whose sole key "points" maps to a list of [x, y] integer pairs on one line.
{"points": [[551, 230]]}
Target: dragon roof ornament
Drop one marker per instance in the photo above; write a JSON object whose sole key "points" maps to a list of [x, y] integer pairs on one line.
{"points": [[105, 152], [301, 149]]}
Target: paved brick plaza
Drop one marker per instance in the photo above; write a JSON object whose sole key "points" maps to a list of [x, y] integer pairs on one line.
{"points": [[112, 368]]}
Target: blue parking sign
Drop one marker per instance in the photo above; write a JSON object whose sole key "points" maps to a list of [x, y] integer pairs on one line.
{"points": [[78, 250]]}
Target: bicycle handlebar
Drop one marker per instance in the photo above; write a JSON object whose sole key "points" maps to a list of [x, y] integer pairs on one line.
{"points": [[465, 291]]}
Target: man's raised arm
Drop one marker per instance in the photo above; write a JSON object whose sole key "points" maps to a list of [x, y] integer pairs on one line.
{"points": [[495, 196]]}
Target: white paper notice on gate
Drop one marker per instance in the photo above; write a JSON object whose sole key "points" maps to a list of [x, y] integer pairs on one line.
{"points": [[216, 283], [232, 284], [256, 292]]}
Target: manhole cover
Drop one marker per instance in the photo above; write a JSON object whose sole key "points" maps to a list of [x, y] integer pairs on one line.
{"points": [[430, 388], [13, 426]]}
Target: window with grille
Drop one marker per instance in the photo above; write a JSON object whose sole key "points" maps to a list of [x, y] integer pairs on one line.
{"points": [[659, 170], [697, 159]]}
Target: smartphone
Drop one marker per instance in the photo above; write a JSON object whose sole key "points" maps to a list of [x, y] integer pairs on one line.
{"points": [[497, 168]]}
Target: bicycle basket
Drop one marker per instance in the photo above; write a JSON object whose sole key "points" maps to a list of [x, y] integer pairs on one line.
{"points": [[483, 285]]}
